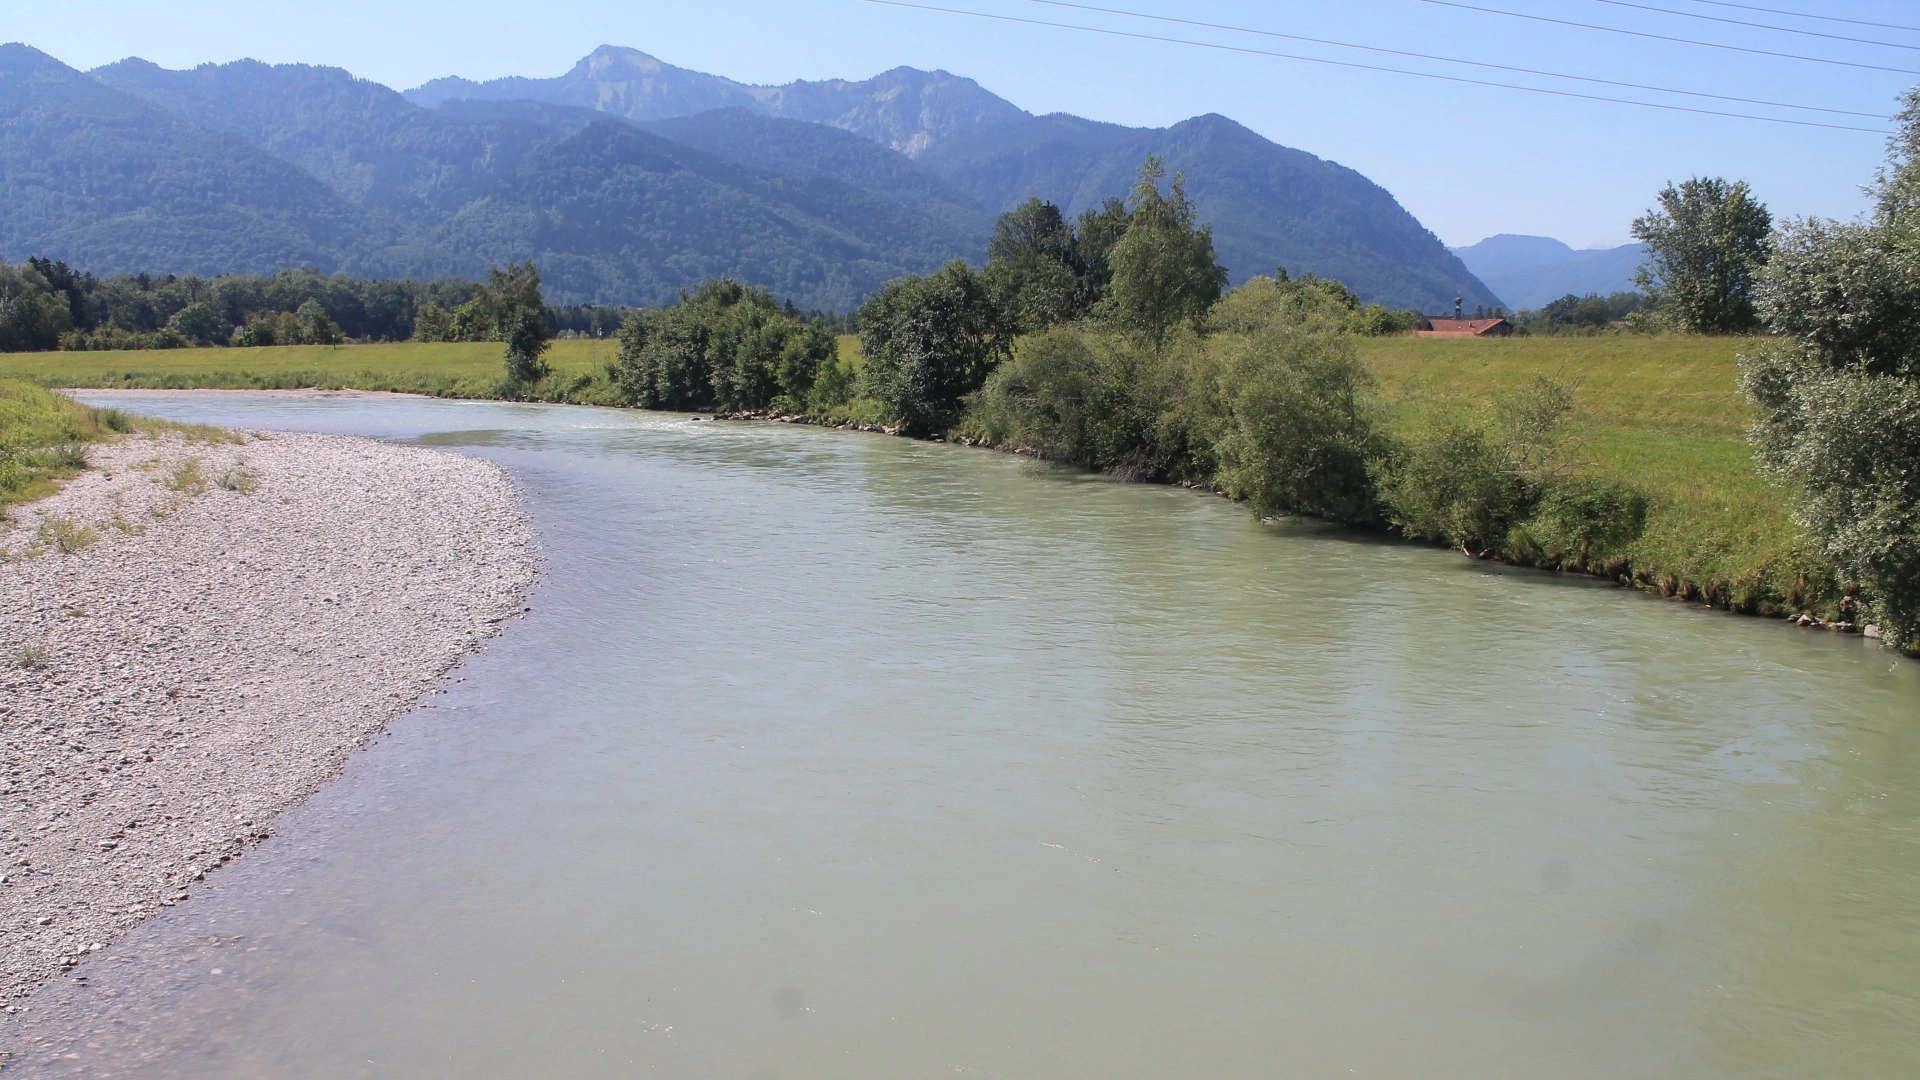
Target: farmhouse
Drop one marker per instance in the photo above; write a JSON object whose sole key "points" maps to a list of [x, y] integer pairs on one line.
{"points": [[1435, 326]]}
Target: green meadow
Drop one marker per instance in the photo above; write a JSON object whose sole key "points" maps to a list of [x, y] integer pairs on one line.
{"points": [[442, 369], [1663, 414], [1660, 413]]}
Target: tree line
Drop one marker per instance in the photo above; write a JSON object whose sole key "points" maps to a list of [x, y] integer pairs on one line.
{"points": [[1110, 342], [46, 304]]}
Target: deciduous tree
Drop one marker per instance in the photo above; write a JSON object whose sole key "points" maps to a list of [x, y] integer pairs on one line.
{"points": [[1164, 270], [1840, 398], [1706, 242]]}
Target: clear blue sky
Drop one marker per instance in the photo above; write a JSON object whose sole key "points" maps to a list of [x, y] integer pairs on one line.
{"points": [[1469, 161]]}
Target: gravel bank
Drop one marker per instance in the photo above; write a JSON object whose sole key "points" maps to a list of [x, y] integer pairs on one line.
{"points": [[194, 636]]}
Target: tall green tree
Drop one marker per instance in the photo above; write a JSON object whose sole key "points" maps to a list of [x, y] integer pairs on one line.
{"points": [[1094, 235], [1839, 396], [725, 346], [1165, 274], [1706, 243], [519, 316], [929, 342], [1032, 266]]}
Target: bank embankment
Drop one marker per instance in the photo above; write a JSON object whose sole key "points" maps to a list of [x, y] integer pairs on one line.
{"points": [[196, 633]]}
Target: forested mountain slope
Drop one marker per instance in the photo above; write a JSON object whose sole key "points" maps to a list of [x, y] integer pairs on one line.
{"points": [[107, 181], [628, 179], [1269, 205]]}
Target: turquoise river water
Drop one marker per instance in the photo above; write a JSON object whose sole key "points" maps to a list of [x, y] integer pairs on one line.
{"points": [[824, 754]]}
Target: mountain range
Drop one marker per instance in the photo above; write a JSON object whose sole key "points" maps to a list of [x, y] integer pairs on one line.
{"points": [[628, 179], [1532, 271]]}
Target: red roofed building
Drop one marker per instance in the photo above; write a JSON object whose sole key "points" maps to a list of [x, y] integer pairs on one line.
{"points": [[1438, 327]]}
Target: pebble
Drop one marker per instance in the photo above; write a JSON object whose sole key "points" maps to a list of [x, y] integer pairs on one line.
{"points": [[214, 656]]}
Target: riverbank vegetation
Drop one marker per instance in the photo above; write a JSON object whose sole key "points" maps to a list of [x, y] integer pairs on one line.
{"points": [[46, 305], [44, 437], [1109, 342]]}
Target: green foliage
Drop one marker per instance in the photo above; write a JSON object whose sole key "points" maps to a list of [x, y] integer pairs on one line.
{"points": [[1044, 270], [1584, 521], [1280, 419], [730, 348], [1300, 429], [1091, 399], [1164, 272], [196, 323], [834, 386], [512, 302], [1706, 243], [1582, 314], [1849, 438], [1840, 401], [45, 304], [431, 322], [316, 328], [1845, 293], [929, 342], [1467, 478], [1307, 303]]}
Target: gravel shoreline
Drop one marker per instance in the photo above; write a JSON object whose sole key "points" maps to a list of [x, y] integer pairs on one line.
{"points": [[194, 636]]}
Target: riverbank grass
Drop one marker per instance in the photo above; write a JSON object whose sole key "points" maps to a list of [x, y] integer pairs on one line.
{"points": [[43, 439], [1662, 414], [470, 369]]}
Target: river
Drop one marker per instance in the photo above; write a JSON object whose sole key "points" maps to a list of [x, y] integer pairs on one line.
{"points": [[824, 754]]}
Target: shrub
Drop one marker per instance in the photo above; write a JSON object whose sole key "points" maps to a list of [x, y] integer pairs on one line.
{"points": [[1467, 479], [1582, 521], [930, 342], [1098, 400], [725, 346], [1300, 431]]}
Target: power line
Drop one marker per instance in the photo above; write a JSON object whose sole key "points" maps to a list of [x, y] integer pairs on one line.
{"points": [[1453, 60], [1756, 25], [1372, 67], [1664, 37], [1805, 15]]}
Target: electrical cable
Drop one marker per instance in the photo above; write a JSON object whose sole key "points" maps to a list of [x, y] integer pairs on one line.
{"points": [[1755, 25], [1806, 15], [1664, 37], [1454, 60], [1375, 67]]}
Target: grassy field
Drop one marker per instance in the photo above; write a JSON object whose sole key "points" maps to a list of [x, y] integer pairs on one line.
{"points": [[44, 437], [443, 369], [1662, 414]]}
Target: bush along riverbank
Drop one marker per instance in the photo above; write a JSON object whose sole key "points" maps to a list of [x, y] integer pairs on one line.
{"points": [[1109, 342]]}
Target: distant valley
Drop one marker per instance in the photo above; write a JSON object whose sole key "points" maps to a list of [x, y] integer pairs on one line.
{"points": [[628, 179], [1532, 271]]}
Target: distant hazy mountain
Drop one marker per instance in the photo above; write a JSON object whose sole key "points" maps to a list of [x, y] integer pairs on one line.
{"points": [[1531, 271], [628, 179]]}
